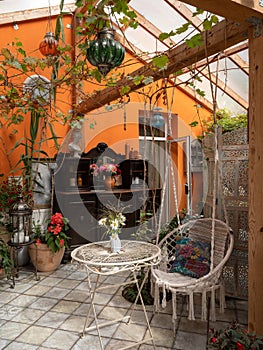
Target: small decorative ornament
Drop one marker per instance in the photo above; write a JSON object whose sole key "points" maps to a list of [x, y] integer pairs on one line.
{"points": [[49, 45], [105, 52], [115, 243]]}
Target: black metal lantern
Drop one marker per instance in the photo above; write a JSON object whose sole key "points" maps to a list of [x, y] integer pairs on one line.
{"points": [[105, 52], [20, 215]]}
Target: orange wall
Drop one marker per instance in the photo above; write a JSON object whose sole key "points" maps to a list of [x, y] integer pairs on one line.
{"points": [[109, 125]]}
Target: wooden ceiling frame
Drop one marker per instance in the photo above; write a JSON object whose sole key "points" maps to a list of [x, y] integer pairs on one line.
{"points": [[223, 35]]}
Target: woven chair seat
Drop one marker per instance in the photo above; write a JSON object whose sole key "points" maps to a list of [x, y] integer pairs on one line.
{"points": [[178, 283]]}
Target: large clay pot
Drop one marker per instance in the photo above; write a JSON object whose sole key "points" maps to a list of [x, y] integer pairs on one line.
{"points": [[109, 182], [43, 259]]}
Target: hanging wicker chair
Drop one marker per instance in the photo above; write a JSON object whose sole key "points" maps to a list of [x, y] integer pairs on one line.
{"points": [[212, 231]]}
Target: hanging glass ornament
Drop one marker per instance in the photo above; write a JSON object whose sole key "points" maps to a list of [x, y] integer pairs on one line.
{"points": [[158, 119], [49, 45], [105, 52]]}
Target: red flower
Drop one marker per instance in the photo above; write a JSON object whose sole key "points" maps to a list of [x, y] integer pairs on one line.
{"points": [[240, 346], [57, 229], [214, 340], [61, 242], [38, 241]]}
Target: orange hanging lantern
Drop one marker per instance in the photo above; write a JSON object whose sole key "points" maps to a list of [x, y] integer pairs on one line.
{"points": [[48, 46]]}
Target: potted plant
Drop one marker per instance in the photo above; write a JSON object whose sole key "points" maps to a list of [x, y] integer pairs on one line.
{"points": [[49, 247], [6, 263], [234, 337]]}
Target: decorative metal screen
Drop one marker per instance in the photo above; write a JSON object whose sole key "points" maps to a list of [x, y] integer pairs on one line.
{"points": [[233, 152]]}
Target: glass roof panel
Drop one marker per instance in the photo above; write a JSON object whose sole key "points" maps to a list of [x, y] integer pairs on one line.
{"points": [[143, 40], [166, 19]]}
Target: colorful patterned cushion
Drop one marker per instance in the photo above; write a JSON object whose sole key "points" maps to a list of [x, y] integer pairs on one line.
{"points": [[192, 257]]}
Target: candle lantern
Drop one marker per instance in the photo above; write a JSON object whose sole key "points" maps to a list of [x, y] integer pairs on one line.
{"points": [[20, 215]]}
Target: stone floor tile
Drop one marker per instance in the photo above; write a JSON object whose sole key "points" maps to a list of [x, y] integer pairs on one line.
{"points": [[7, 312], [78, 275], [77, 295], [101, 298], [10, 330], [61, 273], [83, 309], [73, 323], [190, 326], [52, 319], [7, 296], [190, 341], [23, 300], [57, 293], [35, 335], [162, 321], [117, 344], [23, 284], [50, 281], [20, 346], [130, 332], [162, 337], [44, 303], [61, 340], [66, 306], [89, 342], [3, 343], [28, 316], [69, 284], [37, 290], [110, 313]]}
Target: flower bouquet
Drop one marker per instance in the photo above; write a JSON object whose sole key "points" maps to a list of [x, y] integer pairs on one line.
{"points": [[234, 337], [113, 220], [107, 169]]}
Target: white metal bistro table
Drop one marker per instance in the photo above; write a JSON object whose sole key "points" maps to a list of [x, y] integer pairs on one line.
{"points": [[97, 258]]}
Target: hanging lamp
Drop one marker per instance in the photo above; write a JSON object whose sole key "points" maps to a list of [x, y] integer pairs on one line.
{"points": [[158, 119], [105, 52], [48, 46]]}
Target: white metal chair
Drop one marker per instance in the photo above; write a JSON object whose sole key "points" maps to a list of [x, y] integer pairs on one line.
{"points": [[214, 231]]}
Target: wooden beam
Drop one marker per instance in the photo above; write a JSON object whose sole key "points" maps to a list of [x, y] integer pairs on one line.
{"points": [[224, 34], [255, 204], [27, 15], [236, 10]]}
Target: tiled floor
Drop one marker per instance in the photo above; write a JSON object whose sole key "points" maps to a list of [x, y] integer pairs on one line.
{"points": [[50, 314]]}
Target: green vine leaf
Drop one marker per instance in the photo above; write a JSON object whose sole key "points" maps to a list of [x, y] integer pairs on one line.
{"points": [[160, 62], [124, 90], [196, 40]]}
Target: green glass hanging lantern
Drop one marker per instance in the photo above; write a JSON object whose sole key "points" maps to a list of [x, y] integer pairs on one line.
{"points": [[105, 52]]}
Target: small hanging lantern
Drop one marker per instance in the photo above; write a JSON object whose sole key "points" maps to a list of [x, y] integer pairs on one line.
{"points": [[20, 215], [158, 119], [105, 52], [48, 46]]}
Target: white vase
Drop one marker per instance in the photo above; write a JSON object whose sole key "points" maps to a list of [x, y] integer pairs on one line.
{"points": [[115, 243]]}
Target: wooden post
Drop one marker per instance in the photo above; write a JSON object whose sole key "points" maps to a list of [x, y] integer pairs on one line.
{"points": [[255, 259]]}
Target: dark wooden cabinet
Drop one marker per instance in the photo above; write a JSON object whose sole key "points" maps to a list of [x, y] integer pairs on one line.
{"points": [[134, 172], [77, 199]]}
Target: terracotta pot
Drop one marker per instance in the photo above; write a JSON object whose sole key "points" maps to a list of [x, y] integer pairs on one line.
{"points": [[43, 259], [109, 182]]}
